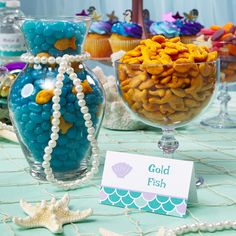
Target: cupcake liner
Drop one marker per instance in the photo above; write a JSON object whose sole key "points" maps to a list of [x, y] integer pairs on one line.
{"points": [[98, 48], [125, 45]]}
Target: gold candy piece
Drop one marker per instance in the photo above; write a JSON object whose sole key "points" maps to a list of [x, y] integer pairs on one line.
{"points": [[44, 96]]}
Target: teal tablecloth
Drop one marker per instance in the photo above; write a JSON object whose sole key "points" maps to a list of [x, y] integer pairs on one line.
{"points": [[213, 152]]}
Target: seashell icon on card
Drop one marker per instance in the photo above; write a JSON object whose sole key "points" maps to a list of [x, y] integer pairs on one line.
{"points": [[121, 169]]}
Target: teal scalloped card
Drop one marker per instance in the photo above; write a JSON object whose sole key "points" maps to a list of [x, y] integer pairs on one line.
{"points": [[158, 185]]}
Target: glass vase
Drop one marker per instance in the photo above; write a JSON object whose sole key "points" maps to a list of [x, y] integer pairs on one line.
{"points": [[34, 94]]}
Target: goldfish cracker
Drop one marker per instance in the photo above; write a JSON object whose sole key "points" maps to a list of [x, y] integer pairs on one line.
{"points": [[178, 92], [136, 106], [205, 69], [133, 83], [166, 109], [159, 38], [176, 82], [153, 69], [177, 116], [146, 85], [151, 107], [174, 40], [166, 80], [171, 51], [168, 70], [153, 116], [140, 96], [183, 55], [159, 92], [182, 65], [194, 71], [212, 56], [191, 103], [166, 86]]}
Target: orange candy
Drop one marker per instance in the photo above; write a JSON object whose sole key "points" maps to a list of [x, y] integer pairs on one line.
{"points": [[227, 27]]}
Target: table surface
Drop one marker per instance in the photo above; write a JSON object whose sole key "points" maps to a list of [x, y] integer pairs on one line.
{"points": [[212, 150]]}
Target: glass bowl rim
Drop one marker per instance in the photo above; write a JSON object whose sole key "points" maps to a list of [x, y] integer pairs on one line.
{"points": [[117, 62], [56, 19]]}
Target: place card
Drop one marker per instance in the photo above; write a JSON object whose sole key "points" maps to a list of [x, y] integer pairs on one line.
{"points": [[155, 184]]}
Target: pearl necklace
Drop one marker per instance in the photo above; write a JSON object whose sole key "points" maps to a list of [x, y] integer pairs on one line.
{"points": [[193, 228], [65, 67]]}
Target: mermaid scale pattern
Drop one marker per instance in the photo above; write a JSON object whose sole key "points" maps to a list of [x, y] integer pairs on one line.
{"points": [[143, 201]]}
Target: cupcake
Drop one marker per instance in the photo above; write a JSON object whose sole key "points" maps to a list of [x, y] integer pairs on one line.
{"points": [[125, 35], [188, 26], [96, 42], [165, 28]]}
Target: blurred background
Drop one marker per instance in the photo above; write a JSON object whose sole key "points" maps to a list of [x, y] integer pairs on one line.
{"points": [[210, 11]]}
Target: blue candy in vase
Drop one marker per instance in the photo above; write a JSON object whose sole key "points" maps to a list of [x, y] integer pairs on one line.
{"points": [[56, 103]]}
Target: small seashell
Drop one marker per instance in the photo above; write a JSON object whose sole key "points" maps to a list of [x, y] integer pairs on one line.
{"points": [[121, 169]]}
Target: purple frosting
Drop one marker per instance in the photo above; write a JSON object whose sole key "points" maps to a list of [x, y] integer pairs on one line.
{"points": [[15, 65], [128, 29], [188, 27], [100, 27]]}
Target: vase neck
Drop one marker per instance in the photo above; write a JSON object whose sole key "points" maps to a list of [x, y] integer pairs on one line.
{"points": [[55, 37]]}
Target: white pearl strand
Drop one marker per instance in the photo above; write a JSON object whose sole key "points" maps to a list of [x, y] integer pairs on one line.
{"points": [[193, 228], [65, 67]]}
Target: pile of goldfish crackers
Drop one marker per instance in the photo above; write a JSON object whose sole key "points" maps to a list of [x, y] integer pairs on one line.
{"points": [[166, 82]]}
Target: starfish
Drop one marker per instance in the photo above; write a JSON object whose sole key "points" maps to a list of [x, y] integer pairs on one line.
{"points": [[112, 17], [82, 13], [177, 16], [51, 215], [95, 16]]}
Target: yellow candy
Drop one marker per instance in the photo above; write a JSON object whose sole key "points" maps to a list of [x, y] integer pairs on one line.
{"points": [[43, 54], [63, 44], [44, 96], [64, 126], [86, 87]]}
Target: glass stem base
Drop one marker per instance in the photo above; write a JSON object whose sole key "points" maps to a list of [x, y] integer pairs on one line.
{"points": [[223, 120], [168, 143]]}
